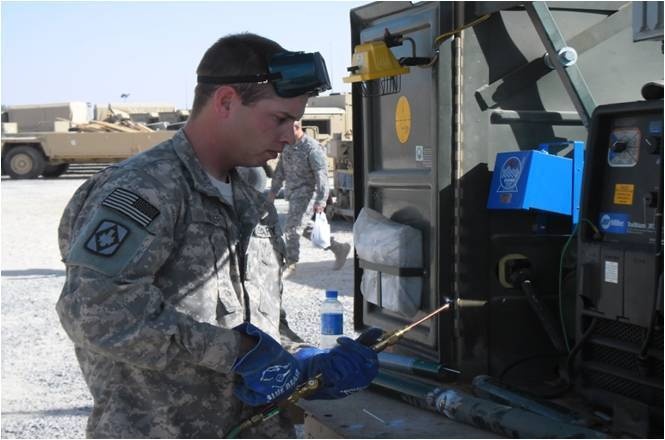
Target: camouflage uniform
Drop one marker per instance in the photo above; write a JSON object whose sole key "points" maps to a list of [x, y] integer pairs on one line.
{"points": [[159, 269], [304, 168]]}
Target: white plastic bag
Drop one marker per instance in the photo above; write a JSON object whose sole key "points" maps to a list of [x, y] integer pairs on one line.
{"points": [[321, 231]]}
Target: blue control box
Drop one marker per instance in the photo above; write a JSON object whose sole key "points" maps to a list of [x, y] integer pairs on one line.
{"points": [[535, 179]]}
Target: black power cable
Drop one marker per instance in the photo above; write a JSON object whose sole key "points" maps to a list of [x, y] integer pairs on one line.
{"points": [[522, 278], [556, 391]]}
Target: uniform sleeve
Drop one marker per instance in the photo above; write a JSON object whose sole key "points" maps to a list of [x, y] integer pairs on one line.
{"points": [[113, 250], [277, 177], [319, 165]]}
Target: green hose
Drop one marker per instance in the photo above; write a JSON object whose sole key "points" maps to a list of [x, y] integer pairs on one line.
{"points": [[261, 417], [563, 254]]}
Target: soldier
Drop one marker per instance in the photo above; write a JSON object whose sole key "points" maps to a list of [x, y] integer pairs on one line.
{"points": [[173, 292], [256, 177], [303, 167]]}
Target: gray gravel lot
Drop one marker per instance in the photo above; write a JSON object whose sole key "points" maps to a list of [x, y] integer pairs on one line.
{"points": [[43, 392]]}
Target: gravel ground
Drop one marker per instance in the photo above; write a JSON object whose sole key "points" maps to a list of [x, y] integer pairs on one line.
{"points": [[43, 392]]}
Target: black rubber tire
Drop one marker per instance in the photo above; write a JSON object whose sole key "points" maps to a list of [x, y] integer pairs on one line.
{"points": [[24, 162], [52, 171]]}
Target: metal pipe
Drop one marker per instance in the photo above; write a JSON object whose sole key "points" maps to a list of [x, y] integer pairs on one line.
{"points": [[461, 407], [570, 75], [413, 365], [503, 419], [457, 171], [489, 388], [403, 386], [391, 338], [535, 116]]}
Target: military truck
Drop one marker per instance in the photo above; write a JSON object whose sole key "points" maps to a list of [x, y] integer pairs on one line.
{"points": [[45, 139], [331, 116], [29, 155], [39, 139]]}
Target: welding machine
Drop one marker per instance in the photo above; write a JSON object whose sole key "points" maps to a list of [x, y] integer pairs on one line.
{"points": [[619, 323]]}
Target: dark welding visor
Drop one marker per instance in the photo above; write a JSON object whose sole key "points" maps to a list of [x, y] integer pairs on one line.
{"points": [[291, 74]]}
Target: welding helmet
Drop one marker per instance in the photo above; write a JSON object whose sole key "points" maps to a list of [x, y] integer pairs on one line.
{"points": [[290, 73]]}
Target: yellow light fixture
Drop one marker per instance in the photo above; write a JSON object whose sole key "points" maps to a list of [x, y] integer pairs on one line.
{"points": [[373, 60]]}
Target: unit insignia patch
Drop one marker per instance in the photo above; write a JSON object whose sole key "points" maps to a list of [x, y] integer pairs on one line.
{"points": [[107, 238]]}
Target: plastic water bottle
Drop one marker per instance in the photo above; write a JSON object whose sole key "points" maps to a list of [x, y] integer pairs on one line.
{"points": [[332, 320]]}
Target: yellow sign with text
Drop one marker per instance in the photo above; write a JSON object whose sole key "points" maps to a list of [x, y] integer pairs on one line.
{"points": [[623, 194]]}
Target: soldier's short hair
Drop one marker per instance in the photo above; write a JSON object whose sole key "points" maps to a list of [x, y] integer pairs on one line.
{"points": [[236, 55]]}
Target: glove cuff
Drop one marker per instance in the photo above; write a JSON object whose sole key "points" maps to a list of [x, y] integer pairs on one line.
{"points": [[304, 357], [268, 372]]}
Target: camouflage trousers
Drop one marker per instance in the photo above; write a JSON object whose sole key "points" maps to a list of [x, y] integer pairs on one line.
{"points": [[300, 212]]}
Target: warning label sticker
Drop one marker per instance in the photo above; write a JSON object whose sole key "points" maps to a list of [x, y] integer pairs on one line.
{"points": [[623, 194], [612, 272]]}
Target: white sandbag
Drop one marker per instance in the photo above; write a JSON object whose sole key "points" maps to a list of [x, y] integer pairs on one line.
{"points": [[379, 240]]}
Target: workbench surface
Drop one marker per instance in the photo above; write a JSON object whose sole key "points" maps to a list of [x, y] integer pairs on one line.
{"points": [[368, 414]]}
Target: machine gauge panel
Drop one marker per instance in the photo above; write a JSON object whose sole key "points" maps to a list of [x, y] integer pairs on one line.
{"points": [[624, 147]]}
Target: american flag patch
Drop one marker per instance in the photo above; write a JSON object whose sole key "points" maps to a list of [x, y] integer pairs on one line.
{"points": [[131, 205]]}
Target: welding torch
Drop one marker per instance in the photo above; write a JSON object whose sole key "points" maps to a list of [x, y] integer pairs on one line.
{"points": [[314, 383]]}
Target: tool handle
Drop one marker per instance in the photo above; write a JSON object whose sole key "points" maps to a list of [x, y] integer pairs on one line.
{"points": [[387, 341], [305, 389]]}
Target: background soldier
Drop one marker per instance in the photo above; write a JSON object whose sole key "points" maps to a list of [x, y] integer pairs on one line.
{"points": [[173, 290], [304, 169]]}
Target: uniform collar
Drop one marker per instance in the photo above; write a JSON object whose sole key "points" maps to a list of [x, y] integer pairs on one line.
{"points": [[301, 142], [250, 205], [185, 152]]}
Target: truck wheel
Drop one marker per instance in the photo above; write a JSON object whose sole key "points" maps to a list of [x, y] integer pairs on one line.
{"points": [[24, 162], [52, 171]]}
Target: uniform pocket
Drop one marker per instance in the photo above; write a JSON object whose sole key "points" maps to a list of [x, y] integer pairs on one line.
{"points": [[204, 266], [265, 262], [265, 252], [227, 300]]}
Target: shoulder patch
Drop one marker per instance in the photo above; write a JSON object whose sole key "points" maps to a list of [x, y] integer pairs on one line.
{"points": [[108, 242], [132, 206], [107, 238]]}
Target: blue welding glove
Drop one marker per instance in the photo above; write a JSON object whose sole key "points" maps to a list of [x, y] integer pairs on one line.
{"points": [[348, 367], [267, 371], [370, 336]]}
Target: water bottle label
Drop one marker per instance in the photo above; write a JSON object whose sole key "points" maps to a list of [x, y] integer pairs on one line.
{"points": [[331, 324]]}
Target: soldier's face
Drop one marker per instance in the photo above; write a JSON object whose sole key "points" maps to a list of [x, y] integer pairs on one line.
{"points": [[297, 131], [267, 126]]}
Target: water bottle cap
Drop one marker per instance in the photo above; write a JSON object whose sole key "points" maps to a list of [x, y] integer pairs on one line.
{"points": [[331, 294]]}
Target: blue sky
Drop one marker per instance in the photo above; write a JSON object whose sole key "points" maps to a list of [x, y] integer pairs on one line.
{"points": [[94, 51]]}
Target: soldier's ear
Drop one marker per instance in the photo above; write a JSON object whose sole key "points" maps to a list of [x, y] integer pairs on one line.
{"points": [[223, 100]]}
